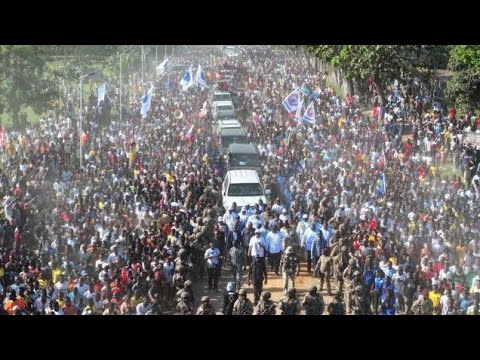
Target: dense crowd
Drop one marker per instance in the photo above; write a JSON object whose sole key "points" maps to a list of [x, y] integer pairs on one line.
{"points": [[142, 221]]}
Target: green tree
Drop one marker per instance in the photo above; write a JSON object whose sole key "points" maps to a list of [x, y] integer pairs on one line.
{"points": [[382, 63], [23, 80], [463, 88]]}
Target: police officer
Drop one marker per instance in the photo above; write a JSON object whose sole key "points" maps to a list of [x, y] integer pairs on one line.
{"points": [[206, 308], [290, 304], [243, 306], [230, 296], [336, 307], [266, 306], [313, 302]]}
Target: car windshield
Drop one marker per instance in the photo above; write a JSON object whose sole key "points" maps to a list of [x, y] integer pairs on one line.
{"points": [[224, 107], [222, 97], [252, 189], [225, 117], [227, 140], [243, 160]]}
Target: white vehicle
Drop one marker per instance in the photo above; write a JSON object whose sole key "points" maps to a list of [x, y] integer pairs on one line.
{"points": [[242, 187], [223, 108], [228, 124]]}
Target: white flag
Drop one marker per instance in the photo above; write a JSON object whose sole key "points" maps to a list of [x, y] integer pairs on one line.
{"points": [[146, 103], [200, 78], [102, 89], [298, 114], [292, 101], [309, 114], [161, 68]]}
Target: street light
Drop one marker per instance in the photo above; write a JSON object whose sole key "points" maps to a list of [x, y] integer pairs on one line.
{"points": [[121, 85], [81, 111]]}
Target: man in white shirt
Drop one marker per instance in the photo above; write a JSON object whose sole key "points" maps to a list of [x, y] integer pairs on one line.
{"points": [[275, 247], [212, 256]]}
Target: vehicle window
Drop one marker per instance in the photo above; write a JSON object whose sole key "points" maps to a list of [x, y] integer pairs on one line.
{"points": [[222, 97], [227, 140], [224, 107], [252, 189], [243, 160]]}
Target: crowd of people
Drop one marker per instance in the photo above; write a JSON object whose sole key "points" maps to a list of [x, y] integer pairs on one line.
{"points": [[130, 232]]}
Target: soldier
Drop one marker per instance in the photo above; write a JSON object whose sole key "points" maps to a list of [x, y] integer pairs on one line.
{"points": [[348, 276], [206, 308], [183, 260], [184, 307], [359, 303], [236, 257], [290, 267], [290, 304], [313, 302], [341, 263], [243, 306], [257, 274], [187, 289], [336, 307], [423, 305], [266, 306], [323, 269]]}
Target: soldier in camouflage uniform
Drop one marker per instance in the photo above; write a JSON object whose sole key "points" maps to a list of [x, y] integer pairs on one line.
{"points": [[423, 305], [313, 302], [243, 306], [206, 308], [187, 289], [359, 302], [337, 306], [341, 263], [183, 260], [266, 306], [348, 276], [184, 307], [290, 304], [290, 267]]}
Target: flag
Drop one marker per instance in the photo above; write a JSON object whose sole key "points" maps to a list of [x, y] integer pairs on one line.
{"points": [[146, 103], [381, 186], [298, 114], [292, 101], [162, 67], [382, 159], [309, 114], [189, 134], [305, 91], [102, 89], [204, 111], [200, 77], [187, 79], [314, 95]]}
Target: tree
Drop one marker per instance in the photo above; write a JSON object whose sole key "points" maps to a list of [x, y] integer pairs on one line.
{"points": [[463, 88], [23, 80], [382, 63]]}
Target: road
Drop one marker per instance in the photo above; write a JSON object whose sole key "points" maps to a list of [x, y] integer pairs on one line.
{"points": [[274, 285]]}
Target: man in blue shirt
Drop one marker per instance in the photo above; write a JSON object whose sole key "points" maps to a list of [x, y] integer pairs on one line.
{"points": [[377, 290]]}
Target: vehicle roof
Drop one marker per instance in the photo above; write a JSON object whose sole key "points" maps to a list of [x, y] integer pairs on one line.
{"points": [[232, 132], [228, 122], [245, 176], [242, 148], [224, 103], [219, 92]]}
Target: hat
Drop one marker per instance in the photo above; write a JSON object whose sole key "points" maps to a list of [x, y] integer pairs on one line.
{"points": [[220, 219], [205, 298], [284, 210], [257, 231], [289, 250], [304, 216]]}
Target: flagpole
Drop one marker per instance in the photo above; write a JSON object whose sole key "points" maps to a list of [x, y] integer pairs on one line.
{"points": [[142, 67], [156, 56], [165, 52]]}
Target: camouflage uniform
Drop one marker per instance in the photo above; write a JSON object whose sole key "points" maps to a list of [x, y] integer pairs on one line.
{"points": [[423, 306], [290, 266], [206, 308], [359, 303], [184, 307], [313, 302], [336, 307], [266, 306], [348, 278], [243, 306], [290, 304], [341, 263]]}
